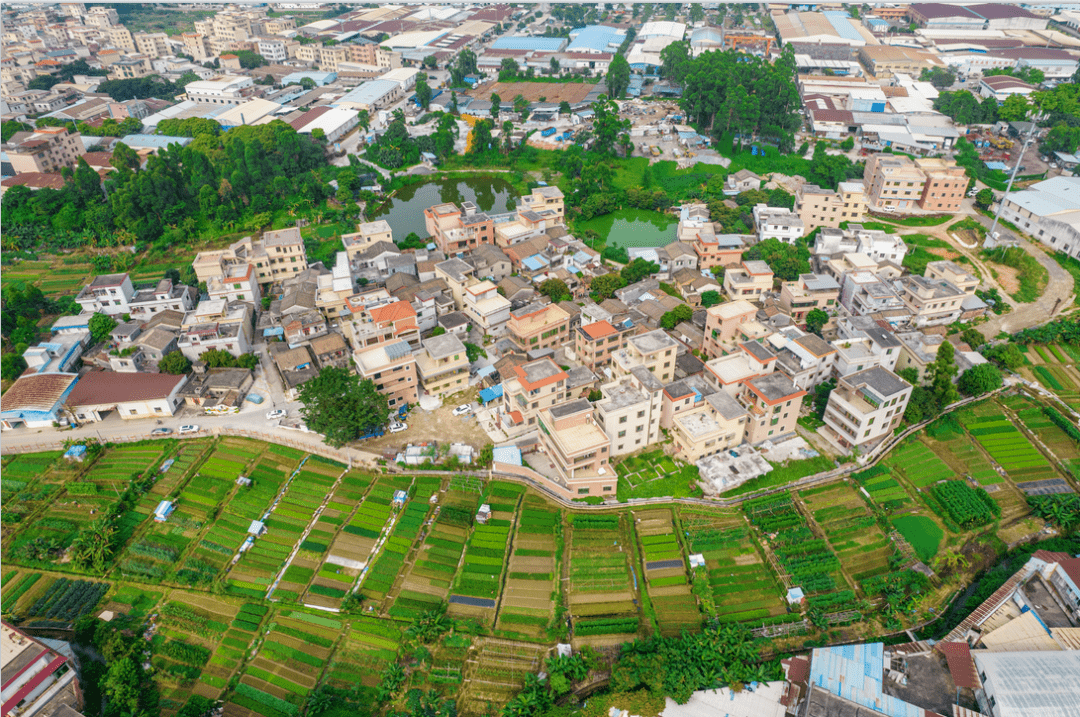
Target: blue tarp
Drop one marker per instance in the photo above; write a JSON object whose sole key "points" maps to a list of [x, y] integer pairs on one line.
{"points": [[507, 454], [274, 331], [486, 371], [487, 395]]}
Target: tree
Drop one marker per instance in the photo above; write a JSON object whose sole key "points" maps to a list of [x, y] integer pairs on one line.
{"points": [[1014, 109], [556, 290], [984, 198], [786, 260], [710, 298], [618, 76], [496, 105], [596, 395], [607, 126], [423, 92], [174, 363], [1007, 356], [508, 69], [340, 406], [637, 270], [675, 61], [122, 685], [521, 106], [564, 108], [438, 331], [364, 118], [11, 366], [673, 318], [604, 287], [941, 373], [980, 379], [430, 62], [939, 77], [101, 326], [816, 320], [848, 144], [554, 65], [307, 83]]}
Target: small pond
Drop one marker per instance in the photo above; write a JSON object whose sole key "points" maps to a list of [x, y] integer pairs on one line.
{"points": [[635, 227], [405, 210]]}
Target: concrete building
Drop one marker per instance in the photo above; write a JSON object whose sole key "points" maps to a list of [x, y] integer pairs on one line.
{"points": [[893, 181], [577, 448], [45, 150], [1028, 683], [866, 407], [276, 257], [885, 61], [773, 403], [455, 230], [372, 95], [443, 366], [594, 343], [228, 90], [532, 387], [486, 308], [236, 282], [367, 234], [932, 302], [1049, 211], [163, 297], [719, 425], [630, 411], [538, 326], [749, 281], [818, 207], [945, 187], [777, 223], [806, 358], [722, 323], [38, 681], [809, 292], [392, 367], [545, 201], [654, 350], [130, 395], [108, 294], [728, 373], [216, 325]]}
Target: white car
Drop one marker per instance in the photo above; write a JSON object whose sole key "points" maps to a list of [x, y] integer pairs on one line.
{"points": [[276, 413], [973, 192], [398, 427], [888, 209], [463, 410], [188, 429]]}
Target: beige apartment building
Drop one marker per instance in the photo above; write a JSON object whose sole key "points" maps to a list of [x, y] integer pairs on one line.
{"points": [[577, 448], [539, 326], [120, 38], [749, 281], [279, 255], [443, 365], [722, 324], [655, 350], [932, 302], [811, 291], [893, 181], [945, 187], [820, 207], [48, 149], [595, 343], [950, 271], [392, 367], [486, 308], [717, 426], [548, 202], [866, 406], [457, 230], [534, 386], [773, 402], [366, 235], [197, 45], [152, 44], [630, 411], [884, 61]]}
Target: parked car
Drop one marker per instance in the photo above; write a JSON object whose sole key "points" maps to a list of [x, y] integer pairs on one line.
{"points": [[276, 413], [463, 410], [398, 427], [161, 432], [188, 429]]}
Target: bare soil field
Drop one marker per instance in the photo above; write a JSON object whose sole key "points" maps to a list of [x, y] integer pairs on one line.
{"points": [[532, 91]]}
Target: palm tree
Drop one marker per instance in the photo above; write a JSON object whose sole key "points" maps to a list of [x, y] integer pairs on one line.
{"points": [[950, 561]]}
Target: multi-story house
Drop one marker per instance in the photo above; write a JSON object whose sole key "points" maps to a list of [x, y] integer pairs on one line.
{"points": [[893, 181], [595, 342], [819, 207], [728, 373], [486, 308], [48, 149], [152, 44], [273, 49], [279, 255], [367, 235], [864, 293], [538, 326], [443, 365], [107, 294], [945, 187], [577, 449], [388, 322], [236, 282], [163, 297], [950, 271], [866, 406], [216, 325], [807, 359], [228, 90], [456, 231], [545, 201], [811, 291], [533, 387], [719, 425], [723, 323], [490, 262], [458, 275], [932, 302], [197, 45], [682, 396], [749, 281], [655, 350], [777, 223], [392, 366], [773, 402], [630, 411]]}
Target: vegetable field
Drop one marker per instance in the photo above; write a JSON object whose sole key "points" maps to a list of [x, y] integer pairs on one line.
{"points": [[601, 589], [850, 528], [526, 606], [665, 572]]}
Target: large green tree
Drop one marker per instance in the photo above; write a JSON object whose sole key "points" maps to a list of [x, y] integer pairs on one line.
{"points": [[100, 325], [609, 131], [941, 373], [341, 407], [980, 379], [618, 76]]}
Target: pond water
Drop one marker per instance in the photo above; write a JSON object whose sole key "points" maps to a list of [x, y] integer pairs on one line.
{"points": [[405, 210], [635, 227]]}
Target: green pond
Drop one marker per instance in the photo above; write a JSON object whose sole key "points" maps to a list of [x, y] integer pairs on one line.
{"points": [[635, 227], [404, 212]]}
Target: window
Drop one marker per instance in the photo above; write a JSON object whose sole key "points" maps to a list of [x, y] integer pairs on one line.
{"points": [[133, 412], [641, 414], [622, 434], [583, 491], [622, 419]]}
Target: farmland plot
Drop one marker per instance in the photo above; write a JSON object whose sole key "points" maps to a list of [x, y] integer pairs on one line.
{"points": [[526, 606], [882, 487], [600, 592], [918, 464], [803, 557], [497, 673], [664, 570], [432, 573], [371, 644], [26, 487], [1055, 367], [59, 602], [743, 586], [1010, 449], [851, 530], [195, 624], [480, 577]]}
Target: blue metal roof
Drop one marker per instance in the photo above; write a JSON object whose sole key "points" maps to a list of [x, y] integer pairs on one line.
{"points": [[487, 371], [487, 395], [841, 22], [597, 38], [535, 262], [856, 672], [319, 78], [543, 44], [160, 141], [507, 454]]}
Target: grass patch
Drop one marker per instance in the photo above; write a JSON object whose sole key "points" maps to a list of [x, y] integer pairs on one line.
{"points": [[915, 221], [1031, 274], [922, 533], [782, 474], [1072, 266]]}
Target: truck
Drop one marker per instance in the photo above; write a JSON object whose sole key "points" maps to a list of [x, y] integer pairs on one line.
{"points": [[547, 131]]}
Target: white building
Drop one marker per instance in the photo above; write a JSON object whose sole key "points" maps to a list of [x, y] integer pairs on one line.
{"points": [[630, 412], [777, 223], [866, 406], [225, 90], [486, 308], [1048, 211], [131, 395], [107, 294], [163, 297]]}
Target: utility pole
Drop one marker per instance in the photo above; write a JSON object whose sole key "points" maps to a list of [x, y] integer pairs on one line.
{"points": [[991, 240]]}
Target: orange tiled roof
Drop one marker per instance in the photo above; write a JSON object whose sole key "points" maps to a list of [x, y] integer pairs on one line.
{"points": [[599, 329], [393, 312]]}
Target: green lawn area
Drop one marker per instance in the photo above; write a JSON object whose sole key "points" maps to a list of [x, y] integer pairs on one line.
{"points": [[781, 474], [928, 221], [922, 533], [655, 475]]}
